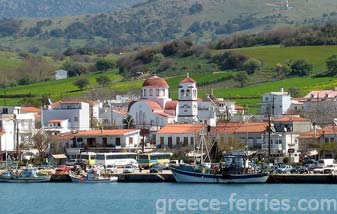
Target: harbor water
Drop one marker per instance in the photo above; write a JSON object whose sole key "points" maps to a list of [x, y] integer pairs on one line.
{"points": [[145, 198]]}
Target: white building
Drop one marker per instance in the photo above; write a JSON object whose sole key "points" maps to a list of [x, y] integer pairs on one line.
{"points": [[18, 125], [66, 116], [282, 144], [61, 74], [275, 103], [177, 135], [103, 140]]}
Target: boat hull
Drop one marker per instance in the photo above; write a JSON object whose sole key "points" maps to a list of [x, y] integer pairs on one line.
{"points": [[76, 179], [183, 176], [39, 179]]}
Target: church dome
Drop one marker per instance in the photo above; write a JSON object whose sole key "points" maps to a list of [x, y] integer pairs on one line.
{"points": [[187, 80], [155, 81]]}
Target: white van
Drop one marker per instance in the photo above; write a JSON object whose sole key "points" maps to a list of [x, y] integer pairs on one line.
{"points": [[325, 162]]}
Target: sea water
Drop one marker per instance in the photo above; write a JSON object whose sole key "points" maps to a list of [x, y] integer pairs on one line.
{"points": [[144, 198]]}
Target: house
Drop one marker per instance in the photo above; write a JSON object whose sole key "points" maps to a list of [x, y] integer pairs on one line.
{"points": [[282, 144], [275, 103], [18, 125], [178, 135], [292, 123], [61, 74], [64, 117], [310, 142], [104, 140], [250, 133]]}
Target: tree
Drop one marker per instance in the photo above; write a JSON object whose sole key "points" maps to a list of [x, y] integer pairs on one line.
{"points": [[331, 64], [300, 67], [103, 81], [40, 142], [81, 83], [74, 68], [252, 65], [283, 70], [128, 122], [104, 65], [242, 78]]}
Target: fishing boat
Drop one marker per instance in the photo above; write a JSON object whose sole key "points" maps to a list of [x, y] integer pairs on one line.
{"points": [[92, 176], [234, 168], [202, 174], [29, 175]]}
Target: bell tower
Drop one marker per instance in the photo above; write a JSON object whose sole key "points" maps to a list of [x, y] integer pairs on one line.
{"points": [[188, 101]]}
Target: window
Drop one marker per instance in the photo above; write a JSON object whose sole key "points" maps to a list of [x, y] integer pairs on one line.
{"points": [[157, 92], [182, 93], [188, 92], [150, 92], [163, 91], [130, 140], [118, 141], [75, 119]]}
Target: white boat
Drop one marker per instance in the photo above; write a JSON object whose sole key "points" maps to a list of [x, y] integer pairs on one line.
{"points": [[93, 176], [29, 175], [234, 169], [191, 174]]}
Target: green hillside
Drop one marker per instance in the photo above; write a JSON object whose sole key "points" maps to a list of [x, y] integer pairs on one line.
{"points": [[271, 55], [211, 78], [162, 20]]}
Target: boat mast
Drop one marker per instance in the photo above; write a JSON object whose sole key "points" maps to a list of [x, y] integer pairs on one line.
{"points": [[203, 146]]}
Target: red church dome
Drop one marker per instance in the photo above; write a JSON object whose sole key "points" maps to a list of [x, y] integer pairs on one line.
{"points": [[156, 81]]}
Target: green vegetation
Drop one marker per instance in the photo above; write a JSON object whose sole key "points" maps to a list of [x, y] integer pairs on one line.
{"points": [[272, 55]]}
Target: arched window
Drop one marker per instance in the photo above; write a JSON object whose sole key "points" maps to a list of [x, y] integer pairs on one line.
{"points": [[188, 92], [145, 94], [150, 92], [163, 91], [182, 93], [157, 92]]}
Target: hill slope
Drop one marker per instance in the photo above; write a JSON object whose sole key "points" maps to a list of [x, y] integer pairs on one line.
{"points": [[161, 20], [52, 8]]}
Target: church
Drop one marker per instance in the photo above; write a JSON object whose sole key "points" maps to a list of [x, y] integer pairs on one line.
{"points": [[156, 109]]}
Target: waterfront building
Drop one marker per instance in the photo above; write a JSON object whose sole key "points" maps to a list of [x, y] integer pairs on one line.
{"points": [[103, 140], [18, 125], [178, 135]]}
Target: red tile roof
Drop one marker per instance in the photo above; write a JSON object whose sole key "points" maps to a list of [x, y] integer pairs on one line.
{"points": [[187, 80], [111, 132], [164, 114], [226, 128], [239, 108], [290, 118], [30, 109], [330, 130], [171, 105], [252, 127], [181, 129], [153, 105], [156, 81]]}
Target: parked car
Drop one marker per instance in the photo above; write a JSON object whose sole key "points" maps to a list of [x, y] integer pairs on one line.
{"points": [[156, 168], [284, 169], [330, 169], [108, 168], [71, 162], [130, 168], [319, 170], [299, 170]]}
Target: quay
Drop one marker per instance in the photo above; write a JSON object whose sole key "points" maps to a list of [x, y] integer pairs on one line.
{"points": [[167, 177], [302, 179]]}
